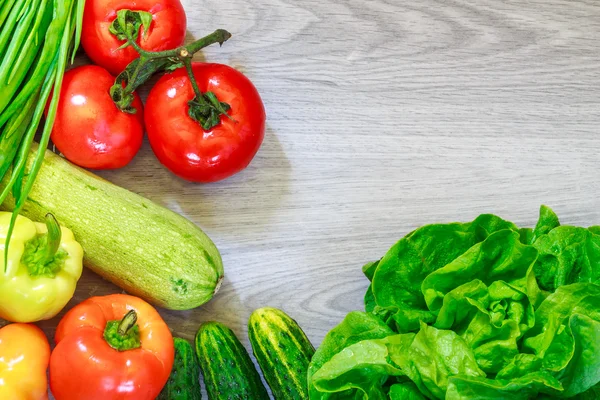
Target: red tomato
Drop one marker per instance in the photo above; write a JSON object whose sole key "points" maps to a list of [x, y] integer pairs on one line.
{"points": [[89, 129], [183, 146], [166, 32]]}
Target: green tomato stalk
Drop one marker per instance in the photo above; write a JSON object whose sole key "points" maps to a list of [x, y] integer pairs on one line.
{"points": [[205, 108]]}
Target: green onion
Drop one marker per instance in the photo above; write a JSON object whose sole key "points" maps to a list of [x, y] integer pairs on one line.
{"points": [[37, 38]]}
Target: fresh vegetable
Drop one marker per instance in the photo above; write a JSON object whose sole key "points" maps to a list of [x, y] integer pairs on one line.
{"points": [[89, 129], [36, 39], [205, 108], [197, 152], [226, 366], [206, 121], [283, 352], [480, 310], [109, 345], [164, 24], [146, 249], [184, 381], [355, 328], [44, 265], [24, 355]]}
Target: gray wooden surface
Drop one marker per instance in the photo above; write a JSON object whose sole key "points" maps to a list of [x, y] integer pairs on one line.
{"points": [[383, 115]]}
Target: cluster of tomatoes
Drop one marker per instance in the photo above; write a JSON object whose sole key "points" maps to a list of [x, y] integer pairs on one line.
{"points": [[92, 132]]}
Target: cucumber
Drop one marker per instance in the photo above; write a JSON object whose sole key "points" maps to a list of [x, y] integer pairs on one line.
{"points": [[283, 352], [144, 248], [228, 371], [184, 381]]}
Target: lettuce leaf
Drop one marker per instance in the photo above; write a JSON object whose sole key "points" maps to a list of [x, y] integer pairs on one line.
{"points": [[500, 257], [480, 310], [356, 327], [591, 394], [405, 391], [428, 358], [486, 295], [566, 336], [547, 221], [433, 357], [567, 254], [363, 367], [396, 283], [522, 388]]}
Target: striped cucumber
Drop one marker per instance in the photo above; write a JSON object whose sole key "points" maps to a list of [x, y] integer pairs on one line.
{"points": [[184, 381], [228, 371], [283, 352]]}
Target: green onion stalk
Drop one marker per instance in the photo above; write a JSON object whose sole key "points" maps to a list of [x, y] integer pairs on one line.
{"points": [[37, 40]]}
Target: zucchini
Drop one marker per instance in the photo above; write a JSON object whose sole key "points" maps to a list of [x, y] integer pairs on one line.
{"points": [[184, 381], [228, 371], [283, 352], [144, 248]]}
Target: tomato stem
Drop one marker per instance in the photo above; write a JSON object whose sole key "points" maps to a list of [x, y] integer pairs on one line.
{"points": [[128, 321], [187, 61], [219, 36], [205, 108], [131, 41]]}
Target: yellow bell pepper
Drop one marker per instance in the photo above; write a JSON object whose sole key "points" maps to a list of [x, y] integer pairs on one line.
{"points": [[44, 265]]}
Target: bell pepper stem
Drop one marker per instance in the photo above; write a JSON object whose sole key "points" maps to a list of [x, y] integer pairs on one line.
{"points": [[42, 254], [124, 334], [128, 322], [54, 237]]}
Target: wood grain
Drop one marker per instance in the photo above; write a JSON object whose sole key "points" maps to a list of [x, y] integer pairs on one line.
{"points": [[383, 115]]}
